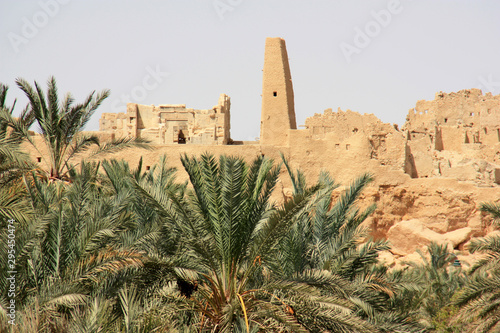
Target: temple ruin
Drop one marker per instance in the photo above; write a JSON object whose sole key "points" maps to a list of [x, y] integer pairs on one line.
{"points": [[171, 123]]}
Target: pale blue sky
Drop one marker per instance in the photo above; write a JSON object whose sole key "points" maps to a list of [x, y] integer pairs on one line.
{"points": [[209, 47]]}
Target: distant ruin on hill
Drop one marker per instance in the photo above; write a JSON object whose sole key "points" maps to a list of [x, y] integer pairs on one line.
{"points": [[457, 135]]}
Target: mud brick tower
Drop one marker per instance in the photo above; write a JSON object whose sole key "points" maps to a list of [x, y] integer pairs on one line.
{"points": [[278, 111]]}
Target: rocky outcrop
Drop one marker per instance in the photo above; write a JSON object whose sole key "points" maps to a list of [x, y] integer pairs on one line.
{"points": [[412, 214], [442, 205], [408, 236]]}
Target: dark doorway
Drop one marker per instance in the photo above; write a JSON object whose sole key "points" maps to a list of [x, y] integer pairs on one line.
{"points": [[181, 138]]}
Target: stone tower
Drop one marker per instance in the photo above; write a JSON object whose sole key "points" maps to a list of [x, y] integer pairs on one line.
{"points": [[278, 111]]}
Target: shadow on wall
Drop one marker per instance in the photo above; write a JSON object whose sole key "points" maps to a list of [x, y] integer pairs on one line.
{"points": [[410, 166]]}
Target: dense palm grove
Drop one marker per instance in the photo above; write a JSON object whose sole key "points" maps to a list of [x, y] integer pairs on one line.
{"points": [[107, 247]]}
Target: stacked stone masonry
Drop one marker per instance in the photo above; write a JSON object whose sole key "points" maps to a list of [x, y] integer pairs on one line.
{"points": [[171, 123], [456, 135]]}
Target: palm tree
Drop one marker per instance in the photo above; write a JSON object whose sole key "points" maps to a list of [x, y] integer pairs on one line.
{"points": [[228, 233], [492, 208], [69, 252], [79, 251], [9, 145], [149, 233], [13, 161], [328, 246], [430, 286], [14, 211], [479, 300], [326, 234], [60, 122]]}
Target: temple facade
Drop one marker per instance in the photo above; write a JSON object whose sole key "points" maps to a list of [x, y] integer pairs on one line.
{"points": [[171, 123]]}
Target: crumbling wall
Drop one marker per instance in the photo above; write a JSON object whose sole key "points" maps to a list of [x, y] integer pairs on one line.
{"points": [[120, 124], [171, 123], [383, 141], [466, 117], [341, 124], [453, 135]]}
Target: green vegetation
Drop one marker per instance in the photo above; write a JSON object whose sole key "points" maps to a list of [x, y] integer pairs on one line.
{"points": [[103, 247], [59, 122]]}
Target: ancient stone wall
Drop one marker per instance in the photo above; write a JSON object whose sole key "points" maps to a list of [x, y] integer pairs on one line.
{"points": [[341, 124], [453, 135], [381, 141], [454, 119], [121, 124], [171, 123]]}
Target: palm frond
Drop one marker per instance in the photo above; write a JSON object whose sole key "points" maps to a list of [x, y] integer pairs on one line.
{"points": [[492, 208], [121, 144]]}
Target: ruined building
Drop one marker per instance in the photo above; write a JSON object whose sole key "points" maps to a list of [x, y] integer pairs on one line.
{"points": [[456, 136], [171, 123]]}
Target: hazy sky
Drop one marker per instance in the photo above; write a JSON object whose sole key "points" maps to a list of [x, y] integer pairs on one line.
{"points": [[369, 56]]}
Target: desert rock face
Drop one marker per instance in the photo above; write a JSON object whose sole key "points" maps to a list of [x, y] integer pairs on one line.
{"points": [[430, 176], [441, 206]]}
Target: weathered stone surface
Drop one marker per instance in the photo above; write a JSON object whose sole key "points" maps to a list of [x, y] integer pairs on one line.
{"points": [[171, 123], [408, 236], [476, 223], [278, 110], [442, 205], [414, 258], [459, 236], [387, 258]]}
